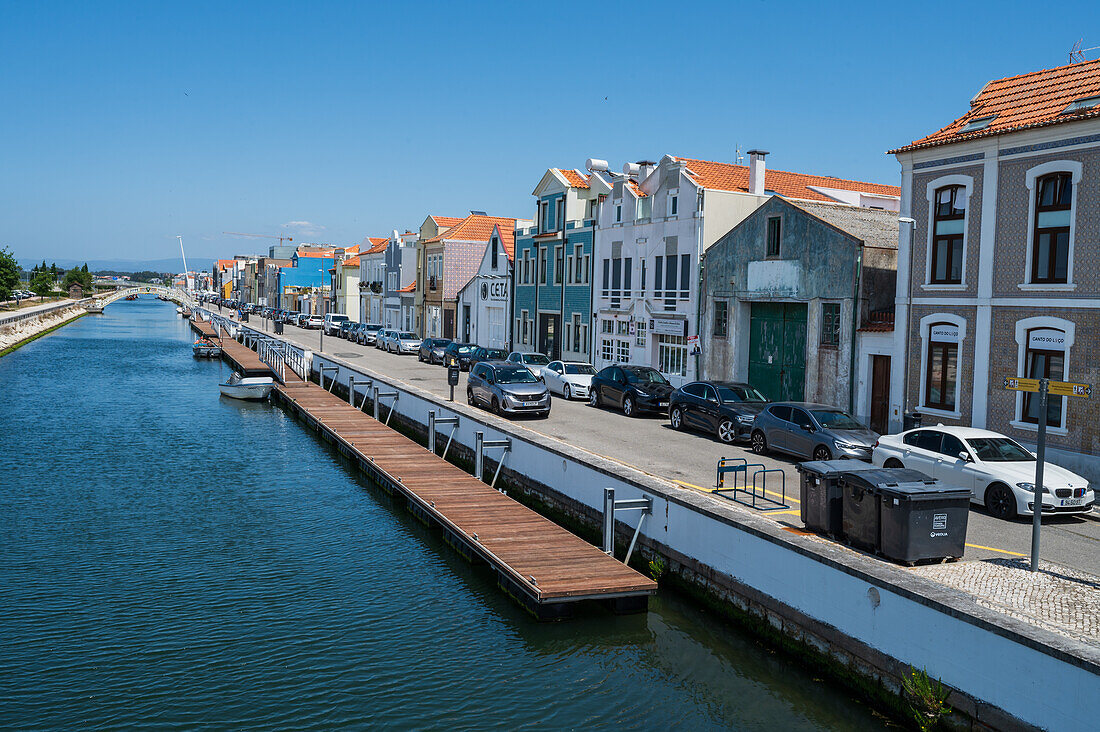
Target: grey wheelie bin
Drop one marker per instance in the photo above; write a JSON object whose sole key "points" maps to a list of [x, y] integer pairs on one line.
{"points": [[861, 491], [920, 521], [820, 495]]}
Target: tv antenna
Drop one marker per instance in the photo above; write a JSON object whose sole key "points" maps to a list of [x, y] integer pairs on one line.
{"points": [[1077, 54]]}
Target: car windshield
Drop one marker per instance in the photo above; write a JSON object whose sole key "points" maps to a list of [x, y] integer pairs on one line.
{"points": [[441, 342], [465, 349], [536, 358], [516, 375], [496, 354], [338, 318], [579, 368], [836, 419], [644, 376], [406, 336], [374, 327], [735, 394], [999, 450]]}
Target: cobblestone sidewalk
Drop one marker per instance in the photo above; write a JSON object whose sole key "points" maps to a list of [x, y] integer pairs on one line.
{"points": [[1059, 599]]}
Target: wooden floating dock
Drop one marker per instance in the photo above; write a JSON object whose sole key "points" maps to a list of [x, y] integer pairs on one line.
{"points": [[541, 565]]}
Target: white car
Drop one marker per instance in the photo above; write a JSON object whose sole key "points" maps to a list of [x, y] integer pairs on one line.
{"points": [[571, 379], [314, 322], [332, 323], [403, 342], [999, 472]]}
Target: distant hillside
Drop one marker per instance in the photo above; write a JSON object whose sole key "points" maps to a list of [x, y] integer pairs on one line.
{"points": [[126, 265]]}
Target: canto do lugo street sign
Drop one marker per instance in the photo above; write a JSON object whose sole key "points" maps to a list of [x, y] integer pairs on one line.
{"points": [[1045, 388], [1054, 388]]}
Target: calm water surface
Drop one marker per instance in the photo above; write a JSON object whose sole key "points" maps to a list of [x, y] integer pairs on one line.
{"points": [[173, 559]]}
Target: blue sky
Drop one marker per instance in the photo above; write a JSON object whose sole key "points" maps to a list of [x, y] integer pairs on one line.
{"points": [[126, 124]]}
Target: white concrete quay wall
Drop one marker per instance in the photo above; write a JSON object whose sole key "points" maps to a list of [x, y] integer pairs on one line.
{"points": [[1018, 668]]}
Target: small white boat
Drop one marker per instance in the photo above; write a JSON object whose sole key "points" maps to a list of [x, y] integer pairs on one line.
{"points": [[179, 311], [247, 387]]}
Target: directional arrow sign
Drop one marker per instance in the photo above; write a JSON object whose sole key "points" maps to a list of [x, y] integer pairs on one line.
{"points": [[1068, 388], [1017, 384]]}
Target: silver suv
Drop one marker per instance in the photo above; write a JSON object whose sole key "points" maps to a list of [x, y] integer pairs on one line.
{"points": [[507, 388], [812, 431]]}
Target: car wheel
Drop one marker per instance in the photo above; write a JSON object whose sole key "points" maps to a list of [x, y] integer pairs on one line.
{"points": [[759, 443], [420, 357], [727, 432], [628, 405], [676, 418], [1000, 502], [495, 406], [893, 463], [594, 398], [470, 398], [822, 453], [566, 393]]}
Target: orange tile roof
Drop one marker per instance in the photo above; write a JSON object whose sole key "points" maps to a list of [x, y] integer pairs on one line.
{"points": [[378, 244], [351, 261], [226, 263], [315, 253], [575, 179], [731, 177], [1030, 100], [633, 184], [411, 287], [446, 222]]}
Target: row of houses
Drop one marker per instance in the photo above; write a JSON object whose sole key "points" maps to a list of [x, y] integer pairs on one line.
{"points": [[883, 299]]}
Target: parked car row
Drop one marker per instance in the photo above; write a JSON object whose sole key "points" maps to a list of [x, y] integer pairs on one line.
{"points": [[997, 470]]}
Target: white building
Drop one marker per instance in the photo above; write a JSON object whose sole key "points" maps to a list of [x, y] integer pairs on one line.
{"points": [[400, 260], [372, 275], [484, 304], [652, 230]]}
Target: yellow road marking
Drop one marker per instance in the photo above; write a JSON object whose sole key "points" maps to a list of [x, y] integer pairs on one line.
{"points": [[712, 490], [992, 549], [780, 513]]}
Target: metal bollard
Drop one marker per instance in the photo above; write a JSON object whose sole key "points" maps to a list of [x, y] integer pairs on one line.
{"points": [[609, 521], [431, 430], [479, 455]]}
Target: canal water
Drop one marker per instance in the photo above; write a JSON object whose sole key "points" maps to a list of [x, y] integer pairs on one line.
{"points": [[170, 558]]}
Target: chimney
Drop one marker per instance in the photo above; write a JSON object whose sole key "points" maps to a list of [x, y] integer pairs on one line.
{"points": [[756, 172]]}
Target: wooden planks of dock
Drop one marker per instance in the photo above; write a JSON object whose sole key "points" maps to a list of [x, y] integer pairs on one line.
{"points": [[543, 566]]}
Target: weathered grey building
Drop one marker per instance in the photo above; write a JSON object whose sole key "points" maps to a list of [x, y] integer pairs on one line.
{"points": [[786, 292], [999, 275]]}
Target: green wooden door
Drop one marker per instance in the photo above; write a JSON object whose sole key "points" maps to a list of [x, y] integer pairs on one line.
{"points": [[777, 350]]}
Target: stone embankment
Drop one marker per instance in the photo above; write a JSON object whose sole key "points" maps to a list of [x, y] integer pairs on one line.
{"points": [[15, 332]]}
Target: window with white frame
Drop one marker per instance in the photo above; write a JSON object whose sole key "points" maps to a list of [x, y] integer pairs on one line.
{"points": [[622, 351], [618, 211], [1050, 228], [941, 337], [639, 333], [607, 326], [525, 321], [948, 227], [1044, 345], [607, 349], [644, 207], [673, 202], [671, 355], [576, 330]]}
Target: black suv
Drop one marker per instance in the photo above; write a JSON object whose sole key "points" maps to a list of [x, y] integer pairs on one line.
{"points": [[633, 389], [724, 408], [462, 353], [481, 353]]}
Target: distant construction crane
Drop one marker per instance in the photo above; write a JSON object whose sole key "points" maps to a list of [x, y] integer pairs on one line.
{"points": [[261, 236]]}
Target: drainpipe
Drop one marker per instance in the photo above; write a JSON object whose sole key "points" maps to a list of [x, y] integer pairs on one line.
{"points": [[699, 290], [855, 327]]}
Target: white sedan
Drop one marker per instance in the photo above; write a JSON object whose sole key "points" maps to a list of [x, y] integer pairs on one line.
{"points": [[999, 472], [571, 379]]}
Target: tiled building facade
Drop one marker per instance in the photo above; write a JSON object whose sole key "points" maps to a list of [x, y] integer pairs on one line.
{"points": [[999, 272], [552, 278]]}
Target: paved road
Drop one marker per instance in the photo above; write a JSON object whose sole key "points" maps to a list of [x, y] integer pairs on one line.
{"points": [[651, 445]]}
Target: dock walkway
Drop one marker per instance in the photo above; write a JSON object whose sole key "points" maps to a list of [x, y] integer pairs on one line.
{"points": [[540, 564]]}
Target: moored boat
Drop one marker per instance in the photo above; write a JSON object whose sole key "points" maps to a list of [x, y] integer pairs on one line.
{"points": [[204, 348], [247, 387]]}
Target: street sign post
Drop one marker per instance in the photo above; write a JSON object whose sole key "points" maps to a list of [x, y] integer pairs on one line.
{"points": [[1045, 388]]}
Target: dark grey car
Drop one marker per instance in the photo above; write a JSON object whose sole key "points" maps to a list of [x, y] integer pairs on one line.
{"points": [[507, 388], [812, 431]]}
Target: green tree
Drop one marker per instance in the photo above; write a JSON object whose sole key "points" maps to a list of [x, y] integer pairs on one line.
{"points": [[43, 283], [81, 277], [9, 273]]}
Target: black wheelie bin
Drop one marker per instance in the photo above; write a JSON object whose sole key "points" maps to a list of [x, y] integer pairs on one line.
{"points": [[921, 521], [860, 516], [821, 498]]}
